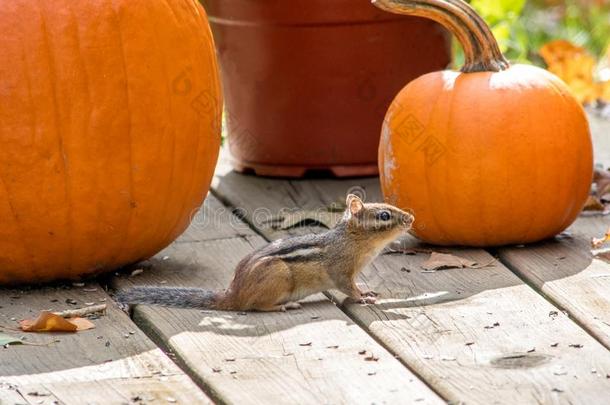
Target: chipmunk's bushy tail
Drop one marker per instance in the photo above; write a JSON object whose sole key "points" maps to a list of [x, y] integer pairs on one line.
{"points": [[178, 297]]}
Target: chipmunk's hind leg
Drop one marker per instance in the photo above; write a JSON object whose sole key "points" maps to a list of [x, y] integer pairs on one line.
{"points": [[268, 288]]}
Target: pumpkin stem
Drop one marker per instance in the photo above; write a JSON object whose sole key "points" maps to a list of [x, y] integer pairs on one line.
{"points": [[481, 50]]}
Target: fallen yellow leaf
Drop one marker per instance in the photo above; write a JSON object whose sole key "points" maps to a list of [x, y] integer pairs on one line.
{"points": [[50, 322]]}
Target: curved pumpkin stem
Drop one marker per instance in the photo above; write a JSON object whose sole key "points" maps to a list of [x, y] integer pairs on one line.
{"points": [[481, 50]]}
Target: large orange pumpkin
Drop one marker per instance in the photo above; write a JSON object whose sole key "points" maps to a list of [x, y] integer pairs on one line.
{"points": [[109, 131], [492, 155]]}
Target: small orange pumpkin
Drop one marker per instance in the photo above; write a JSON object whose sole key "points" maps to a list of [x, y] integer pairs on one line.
{"points": [[492, 155], [109, 132]]}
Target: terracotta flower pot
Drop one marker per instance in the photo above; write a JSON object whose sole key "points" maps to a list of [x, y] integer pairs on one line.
{"points": [[307, 82]]}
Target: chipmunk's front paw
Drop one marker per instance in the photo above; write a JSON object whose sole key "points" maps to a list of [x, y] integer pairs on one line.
{"points": [[370, 294], [368, 300], [293, 305]]}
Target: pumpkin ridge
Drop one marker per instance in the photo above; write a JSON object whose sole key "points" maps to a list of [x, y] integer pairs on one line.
{"points": [[451, 107], [516, 197], [87, 114], [59, 133], [18, 224], [197, 8], [568, 212], [430, 117], [183, 21], [569, 216], [482, 207], [164, 214], [171, 9], [534, 225], [433, 112], [534, 190], [512, 193], [191, 194], [116, 257]]}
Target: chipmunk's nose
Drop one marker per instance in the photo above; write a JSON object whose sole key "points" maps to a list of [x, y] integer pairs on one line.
{"points": [[408, 220]]}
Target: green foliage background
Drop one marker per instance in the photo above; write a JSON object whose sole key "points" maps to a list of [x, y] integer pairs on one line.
{"points": [[523, 26]]}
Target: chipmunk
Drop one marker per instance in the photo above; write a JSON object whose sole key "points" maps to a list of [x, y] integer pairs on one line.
{"points": [[277, 276]]}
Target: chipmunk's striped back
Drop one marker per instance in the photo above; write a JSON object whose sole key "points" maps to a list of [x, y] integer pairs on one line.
{"points": [[304, 248]]}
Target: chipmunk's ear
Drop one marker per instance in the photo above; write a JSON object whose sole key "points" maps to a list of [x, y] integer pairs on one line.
{"points": [[354, 204]]}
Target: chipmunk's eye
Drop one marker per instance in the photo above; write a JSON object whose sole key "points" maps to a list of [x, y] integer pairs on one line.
{"points": [[384, 216]]}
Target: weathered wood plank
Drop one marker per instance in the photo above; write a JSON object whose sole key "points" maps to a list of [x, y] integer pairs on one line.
{"points": [[104, 364], [178, 389], [567, 272], [162, 390], [480, 336], [304, 356]]}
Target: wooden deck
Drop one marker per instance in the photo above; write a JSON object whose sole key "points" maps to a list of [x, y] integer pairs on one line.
{"points": [[533, 327]]}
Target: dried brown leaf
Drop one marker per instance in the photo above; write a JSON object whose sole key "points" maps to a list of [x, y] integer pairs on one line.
{"points": [[438, 261], [593, 204]]}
